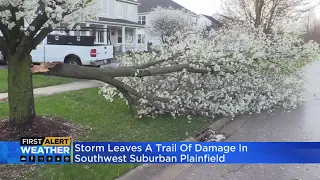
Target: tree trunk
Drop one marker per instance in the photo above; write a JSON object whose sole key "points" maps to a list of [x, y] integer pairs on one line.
{"points": [[20, 89]]}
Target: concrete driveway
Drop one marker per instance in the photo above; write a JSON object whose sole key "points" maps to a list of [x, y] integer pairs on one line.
{"points": [[302, 124]]}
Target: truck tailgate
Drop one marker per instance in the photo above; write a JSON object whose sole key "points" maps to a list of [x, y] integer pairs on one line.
{"points": [[104, 52]]}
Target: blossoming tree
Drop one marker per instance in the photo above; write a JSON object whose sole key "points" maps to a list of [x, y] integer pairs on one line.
{"points": [[267, 13], [167, 23], [24, 24], [238, 69]]}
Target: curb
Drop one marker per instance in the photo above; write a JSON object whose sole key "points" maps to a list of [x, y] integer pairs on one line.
{"points": [[170, 171]]}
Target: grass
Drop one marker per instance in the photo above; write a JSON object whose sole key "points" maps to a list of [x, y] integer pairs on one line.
{"points": [[38, 81], [108, 121]]}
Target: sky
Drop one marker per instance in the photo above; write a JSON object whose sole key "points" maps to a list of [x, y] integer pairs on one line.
{"points": [[208, 7]]}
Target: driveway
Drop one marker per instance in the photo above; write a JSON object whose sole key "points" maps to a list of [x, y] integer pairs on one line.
{"points": [[302, 124], [3, 66]]}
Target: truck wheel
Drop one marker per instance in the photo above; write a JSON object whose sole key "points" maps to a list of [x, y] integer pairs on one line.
{"points": [[73, 60]]}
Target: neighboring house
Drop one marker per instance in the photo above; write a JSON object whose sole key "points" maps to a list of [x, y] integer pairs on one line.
{"points": [[117, 24], [209, 22], [223, 19], [144, 9]]}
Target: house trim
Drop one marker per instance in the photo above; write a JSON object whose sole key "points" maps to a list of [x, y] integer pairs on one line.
{"points": [[128, 1], [147, 13], [117, 24]]}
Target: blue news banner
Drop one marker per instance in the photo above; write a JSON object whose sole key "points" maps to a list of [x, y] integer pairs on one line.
{"points": [[153, 152], [203, 153], [13, 153]]}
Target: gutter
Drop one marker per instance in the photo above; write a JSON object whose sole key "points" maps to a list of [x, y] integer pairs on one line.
{"points": [[115, 23]]}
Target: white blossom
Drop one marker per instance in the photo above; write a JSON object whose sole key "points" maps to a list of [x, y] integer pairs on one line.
{"points": [[67, 12], [249, 73]]}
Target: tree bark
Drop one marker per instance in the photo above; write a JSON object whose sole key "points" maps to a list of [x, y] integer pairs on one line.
{"points": [[20, 89]]}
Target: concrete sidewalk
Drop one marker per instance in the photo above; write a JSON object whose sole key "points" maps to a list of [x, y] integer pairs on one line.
{"points": [[46, 91]]}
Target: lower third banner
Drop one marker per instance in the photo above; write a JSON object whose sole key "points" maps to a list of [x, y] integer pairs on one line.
{"points": [[202, 153]]}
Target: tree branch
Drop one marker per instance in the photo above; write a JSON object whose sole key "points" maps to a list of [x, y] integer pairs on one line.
{"points": [[6, 34], [37, 23], [39, 38], [4, 46], [153, 63], [83, 72]]}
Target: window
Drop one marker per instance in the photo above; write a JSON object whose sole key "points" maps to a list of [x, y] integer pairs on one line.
{"points": [[62, 29], [141, 38], [142, 20], [119, 36], [81, 32], [100, 36], [98, 33]]}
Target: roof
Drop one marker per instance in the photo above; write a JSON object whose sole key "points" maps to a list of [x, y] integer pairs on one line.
{"points": [[213, 20], [129, 1], [147, 5], [222, 18], [123, 21]]}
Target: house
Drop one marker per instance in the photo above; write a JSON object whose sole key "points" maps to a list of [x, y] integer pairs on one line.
{"points": [[117, 24], [209, 22], [224, 19], [144, 9]]}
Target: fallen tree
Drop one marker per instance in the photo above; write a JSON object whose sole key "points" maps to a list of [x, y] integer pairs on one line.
{"points": [[237, 70]]}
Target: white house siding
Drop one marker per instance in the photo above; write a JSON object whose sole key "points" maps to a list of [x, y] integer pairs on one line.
{"points": [[112, 8], [123, 10], [132, 12], [115, 9], [143, 31], [120, 9]]}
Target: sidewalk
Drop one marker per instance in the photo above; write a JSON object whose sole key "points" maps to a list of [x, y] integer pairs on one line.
{"points": [[46, 91]]}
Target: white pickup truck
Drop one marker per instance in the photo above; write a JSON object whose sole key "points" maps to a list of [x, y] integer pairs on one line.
{"points": [[88, 55]]}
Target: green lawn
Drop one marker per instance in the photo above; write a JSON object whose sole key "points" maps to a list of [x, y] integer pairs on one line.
{"points": [[38, 81], [108, 121]]}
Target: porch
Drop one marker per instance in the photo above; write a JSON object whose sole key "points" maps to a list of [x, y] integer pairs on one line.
{"points": [[122, 34]]}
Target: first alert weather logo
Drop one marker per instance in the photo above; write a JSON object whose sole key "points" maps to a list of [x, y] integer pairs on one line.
{"points": [[45, 145]]}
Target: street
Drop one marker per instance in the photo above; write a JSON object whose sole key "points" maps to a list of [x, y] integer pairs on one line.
{"points": [[301, 124]]}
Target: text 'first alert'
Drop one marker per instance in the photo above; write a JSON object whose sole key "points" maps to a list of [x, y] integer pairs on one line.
{"points": [[45, 141]]}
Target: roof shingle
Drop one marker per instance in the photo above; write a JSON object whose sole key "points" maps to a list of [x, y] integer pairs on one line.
{"points": [[118, 21], [146, 6], [213, 20]]}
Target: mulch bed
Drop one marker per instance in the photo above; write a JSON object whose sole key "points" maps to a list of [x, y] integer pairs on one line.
{"points": [[42, 126]]}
